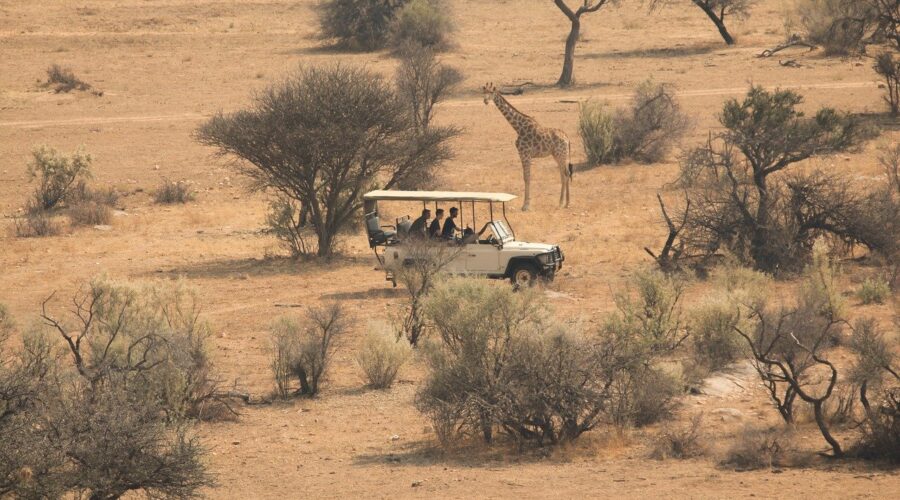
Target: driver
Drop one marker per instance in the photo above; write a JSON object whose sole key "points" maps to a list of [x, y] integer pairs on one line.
{"points": [[449, 230]]}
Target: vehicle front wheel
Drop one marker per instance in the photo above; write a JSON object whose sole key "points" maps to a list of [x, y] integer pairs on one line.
{"points": [[523, 275]]}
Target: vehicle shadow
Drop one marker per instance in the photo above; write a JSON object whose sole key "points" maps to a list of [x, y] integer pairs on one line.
{"points": [[250, 267], [425, 453], [372, 293]]}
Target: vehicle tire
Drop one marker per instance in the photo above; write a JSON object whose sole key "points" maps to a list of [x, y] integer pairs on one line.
{"points": [[523, 275]]}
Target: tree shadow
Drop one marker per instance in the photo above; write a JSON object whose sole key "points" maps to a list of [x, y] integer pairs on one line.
{"points": [[884, 120], [656, 53]]}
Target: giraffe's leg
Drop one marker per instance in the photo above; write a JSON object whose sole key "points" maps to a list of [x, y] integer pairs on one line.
{"points": [[563, 163], [526, 173]]}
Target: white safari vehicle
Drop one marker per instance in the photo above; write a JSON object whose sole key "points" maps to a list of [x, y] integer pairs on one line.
{"points": [[492, 252]]}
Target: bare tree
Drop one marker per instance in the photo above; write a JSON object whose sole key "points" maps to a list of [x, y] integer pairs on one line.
{"points": [[322, 137], [717, 11], [304, 348], [786, 347], [425, 262], [566, 78]]}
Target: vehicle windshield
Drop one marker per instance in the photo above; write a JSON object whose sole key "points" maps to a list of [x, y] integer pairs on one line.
{"points": [[501, 231]]}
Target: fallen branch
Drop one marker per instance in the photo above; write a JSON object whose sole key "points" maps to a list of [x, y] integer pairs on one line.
{"points": [[793, 41]]}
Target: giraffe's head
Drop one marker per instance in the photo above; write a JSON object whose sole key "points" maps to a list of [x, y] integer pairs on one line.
{"points": [[489, 90]]}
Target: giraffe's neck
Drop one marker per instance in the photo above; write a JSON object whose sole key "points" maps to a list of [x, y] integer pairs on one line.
{"points": [[519, 121]]}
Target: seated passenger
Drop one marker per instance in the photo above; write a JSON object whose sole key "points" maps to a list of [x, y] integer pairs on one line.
{"points": [[417, 230], [434, 230], [449, 231], [469, 236]]}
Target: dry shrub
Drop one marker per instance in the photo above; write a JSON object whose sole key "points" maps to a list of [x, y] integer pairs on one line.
{"points": [[303, 348], [381, 356], [645, 132], [423, 22], [839, 26], [874, 291], [90, 213], [758, 448], [287, 222], [878, 376], [680, 442], [82, 192], [6, 323], [170, 192], [64, 80], [36, 224], [887, 68], [819, 289]]}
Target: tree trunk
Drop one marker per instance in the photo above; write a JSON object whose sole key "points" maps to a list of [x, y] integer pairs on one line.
{"points": [[565, 79], [326, 242], [823, 427], [759, 241], [718, 21]]}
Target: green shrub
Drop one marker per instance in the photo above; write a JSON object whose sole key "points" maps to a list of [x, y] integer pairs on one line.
{"points": [[644, 132], [423, 22], [170, 192], [359, 24], [597, 134], [381, 356], [57, 174], [874, 291], [714, 342]]}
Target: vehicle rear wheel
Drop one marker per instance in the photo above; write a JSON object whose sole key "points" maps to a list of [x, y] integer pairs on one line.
{"points": [[524, 275]]}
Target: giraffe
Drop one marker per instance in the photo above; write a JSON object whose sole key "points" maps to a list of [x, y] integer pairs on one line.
{"points": [[535, 141]]}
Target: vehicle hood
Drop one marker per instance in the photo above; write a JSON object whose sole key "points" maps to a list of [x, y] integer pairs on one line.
{"points": [[524, 246]]}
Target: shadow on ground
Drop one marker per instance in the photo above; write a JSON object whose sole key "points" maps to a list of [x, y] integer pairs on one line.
{"points": [[252, 267], [656, 53]]}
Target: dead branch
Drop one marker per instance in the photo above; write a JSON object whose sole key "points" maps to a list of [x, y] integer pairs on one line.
{"points": [[794, 41]]}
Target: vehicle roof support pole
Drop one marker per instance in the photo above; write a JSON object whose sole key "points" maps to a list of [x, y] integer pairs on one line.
{"points": [[507, 222]]}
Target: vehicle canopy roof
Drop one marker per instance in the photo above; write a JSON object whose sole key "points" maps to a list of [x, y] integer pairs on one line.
{"points": [[381, 194]]}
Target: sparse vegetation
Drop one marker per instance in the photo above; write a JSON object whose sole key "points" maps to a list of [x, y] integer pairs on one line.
{"points": [[359, 24], [887, 68], [57, 175], [424, 23], [381, 356], [307, 138], [873, 291], [422, 82], [303, 348], [687, 441], [288, 223], [36, 224], [758, 448], [110, 416], [64, 80], [90, 213], [713, 341], [645, 132], [170, 192], [838, 26]]}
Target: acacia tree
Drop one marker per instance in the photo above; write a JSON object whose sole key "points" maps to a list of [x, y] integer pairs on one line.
{"points": [[736, 204], [322, 137], [587, 6], [717, 11]]}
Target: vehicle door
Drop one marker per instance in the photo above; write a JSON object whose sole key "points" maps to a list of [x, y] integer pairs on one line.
{"points": [[483, 255]]}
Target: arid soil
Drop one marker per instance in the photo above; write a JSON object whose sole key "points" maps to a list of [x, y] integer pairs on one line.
{"points": [[165, 65]]}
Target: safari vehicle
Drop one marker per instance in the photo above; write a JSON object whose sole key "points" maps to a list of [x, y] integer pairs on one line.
{"points": [[492, 252]]}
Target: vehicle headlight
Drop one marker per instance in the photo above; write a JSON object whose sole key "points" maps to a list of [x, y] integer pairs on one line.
{"points": [[545, 258]]}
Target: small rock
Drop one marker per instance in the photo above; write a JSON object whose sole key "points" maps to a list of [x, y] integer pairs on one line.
{"points": [[103, 227], [235, 443], [395, 438], [416, 484]]}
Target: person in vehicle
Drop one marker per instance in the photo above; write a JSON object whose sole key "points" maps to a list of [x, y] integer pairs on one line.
{"points": [[417, 230], [434, 230], [449, 230]]}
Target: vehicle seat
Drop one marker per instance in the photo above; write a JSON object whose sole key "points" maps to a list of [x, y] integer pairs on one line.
{"points": [[403, 226], [376, 232]]}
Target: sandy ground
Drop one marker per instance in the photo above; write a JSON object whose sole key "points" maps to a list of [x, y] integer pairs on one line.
{"points": [[165, 65]]}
